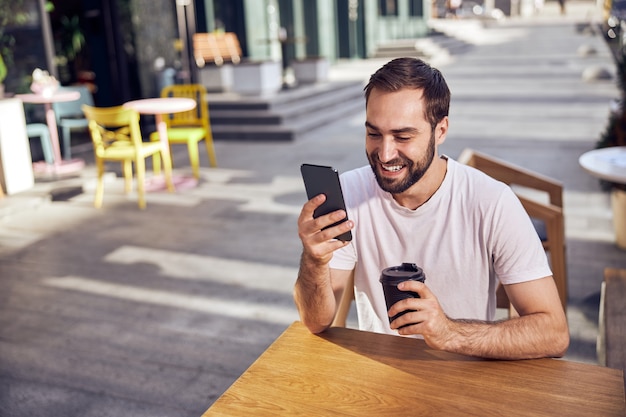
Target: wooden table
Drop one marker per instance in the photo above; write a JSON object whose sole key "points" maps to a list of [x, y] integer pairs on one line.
{"points": [[159, 107], [353, 373], [60, 165]]}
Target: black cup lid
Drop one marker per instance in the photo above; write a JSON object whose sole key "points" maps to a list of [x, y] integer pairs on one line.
{"points": [[406, 271]]}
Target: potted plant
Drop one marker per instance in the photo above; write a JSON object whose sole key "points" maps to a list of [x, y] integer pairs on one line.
{"points": [[311, 70]]}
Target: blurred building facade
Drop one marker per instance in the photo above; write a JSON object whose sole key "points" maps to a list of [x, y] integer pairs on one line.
{"points": [[126, 44]]}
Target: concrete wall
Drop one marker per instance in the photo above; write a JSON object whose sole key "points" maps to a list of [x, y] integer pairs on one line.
{"points": [[327, 29], [386, 28], [262, 26]]}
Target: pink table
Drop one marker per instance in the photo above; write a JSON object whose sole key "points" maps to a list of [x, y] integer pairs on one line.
{"points": [[60, 166], [158, 107]]}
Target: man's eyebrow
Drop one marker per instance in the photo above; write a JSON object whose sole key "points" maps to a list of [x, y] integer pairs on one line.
{"points": [[395, 131], [369, 125]]}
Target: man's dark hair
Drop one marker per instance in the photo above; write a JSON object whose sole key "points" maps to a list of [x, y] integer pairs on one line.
{"points": [[413, 73]]}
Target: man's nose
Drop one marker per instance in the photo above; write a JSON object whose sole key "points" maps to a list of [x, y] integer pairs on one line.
{"points": [[387, 150]]}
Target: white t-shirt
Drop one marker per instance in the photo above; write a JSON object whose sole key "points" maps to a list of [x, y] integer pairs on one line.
{"points": [[470, 233]]}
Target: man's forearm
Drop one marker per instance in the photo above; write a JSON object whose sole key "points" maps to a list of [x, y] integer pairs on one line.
{"points": [[532, 336], [314, 296]]}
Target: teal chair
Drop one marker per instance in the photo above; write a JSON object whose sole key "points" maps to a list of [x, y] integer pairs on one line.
{"points": [[41, 131], [70, 117]]}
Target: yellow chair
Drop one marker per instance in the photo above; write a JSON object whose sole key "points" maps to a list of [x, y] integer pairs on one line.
{"points": [[116, 136], [190, 127]]}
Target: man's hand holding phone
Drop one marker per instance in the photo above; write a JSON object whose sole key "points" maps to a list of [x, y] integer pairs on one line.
{"points": [[318, 233], [323, 225]]}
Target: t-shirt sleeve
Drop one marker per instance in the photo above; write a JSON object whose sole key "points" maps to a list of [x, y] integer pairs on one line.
{"points": [[344, 258], [518, 253]]}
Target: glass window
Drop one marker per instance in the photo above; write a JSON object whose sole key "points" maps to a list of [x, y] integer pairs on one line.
{"points": [[416, 8], [388, 7]]}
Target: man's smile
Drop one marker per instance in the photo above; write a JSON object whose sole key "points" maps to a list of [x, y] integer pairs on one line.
{"points": [[392, 168]]}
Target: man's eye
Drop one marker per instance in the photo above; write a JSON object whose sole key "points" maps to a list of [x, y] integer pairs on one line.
{"points": [[373, 134], [402, 138]]}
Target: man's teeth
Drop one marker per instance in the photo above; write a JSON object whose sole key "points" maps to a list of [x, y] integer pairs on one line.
{"points": [[392, 168]]}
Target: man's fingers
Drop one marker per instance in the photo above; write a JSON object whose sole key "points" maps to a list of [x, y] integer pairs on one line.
{"points": [[415, 286], [309, 207]]}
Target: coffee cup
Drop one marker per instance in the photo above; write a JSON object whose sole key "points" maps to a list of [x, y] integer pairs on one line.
{"points": [[391, 277]]}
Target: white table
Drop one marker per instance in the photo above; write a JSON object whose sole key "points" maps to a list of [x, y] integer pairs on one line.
{"points": [[60, 166], [609, 164], [159, 107]]}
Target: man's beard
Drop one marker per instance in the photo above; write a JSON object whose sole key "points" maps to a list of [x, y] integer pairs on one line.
{"points": [[416, 169]]}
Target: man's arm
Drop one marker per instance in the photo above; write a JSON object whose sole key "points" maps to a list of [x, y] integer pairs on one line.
{"points": [[317, 294], [540, 331], [317, 289]]}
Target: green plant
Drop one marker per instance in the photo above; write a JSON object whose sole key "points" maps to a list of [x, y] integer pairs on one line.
{"points": [[3, 70], [72, 38], [614, 133], [13, 13]]}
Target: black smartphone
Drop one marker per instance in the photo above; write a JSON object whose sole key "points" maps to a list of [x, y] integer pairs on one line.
{"points": [[320, 179]]}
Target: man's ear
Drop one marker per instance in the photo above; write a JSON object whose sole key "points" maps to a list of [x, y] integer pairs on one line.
{"points": [[441, 130]]}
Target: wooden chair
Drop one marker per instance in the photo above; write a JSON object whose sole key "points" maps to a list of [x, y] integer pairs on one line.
{"points": [[41, 131], [343, 309], [610, 346], [546, 216], [70, 117], [116, 136], [190, 127]]}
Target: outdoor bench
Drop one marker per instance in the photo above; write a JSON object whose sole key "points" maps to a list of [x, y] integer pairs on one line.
{"points": [[216, 48]]}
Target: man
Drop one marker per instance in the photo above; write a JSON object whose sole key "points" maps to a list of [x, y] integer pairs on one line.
{"points": [[466, 231]]}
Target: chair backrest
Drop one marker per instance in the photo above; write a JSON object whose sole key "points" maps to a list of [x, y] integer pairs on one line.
{"points": [[199, 116], [73, 109], [109, 125], [513, 175], [548, 214], [216, 48]]}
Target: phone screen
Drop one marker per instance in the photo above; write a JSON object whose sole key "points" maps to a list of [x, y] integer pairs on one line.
{"points": [[320, 179]]}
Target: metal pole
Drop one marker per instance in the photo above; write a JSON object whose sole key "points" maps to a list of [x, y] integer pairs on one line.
{"points": [[191, 29], [48, 43], [182, 37]]}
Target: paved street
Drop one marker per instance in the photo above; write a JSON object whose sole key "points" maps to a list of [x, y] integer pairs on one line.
{"points": [[121, 312]]}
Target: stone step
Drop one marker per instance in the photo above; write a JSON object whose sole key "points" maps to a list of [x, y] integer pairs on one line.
{"points": [[289, 129], [435, 43], [284, 115]]}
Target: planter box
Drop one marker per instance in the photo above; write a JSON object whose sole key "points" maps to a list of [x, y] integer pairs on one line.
{"points": [[217, 79], [257, 78], [312, 70], [618, 203], [16, 169]]}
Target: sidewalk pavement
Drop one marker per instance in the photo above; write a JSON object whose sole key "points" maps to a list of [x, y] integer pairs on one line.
{"points": [[120, 311]]}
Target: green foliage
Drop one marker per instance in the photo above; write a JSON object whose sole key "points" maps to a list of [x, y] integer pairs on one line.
{"points": [[615, 132], [73, 39], [3, 69], [12, 12]]}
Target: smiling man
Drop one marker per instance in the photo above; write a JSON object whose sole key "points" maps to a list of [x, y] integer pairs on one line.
{"points": [[464, 229]]}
